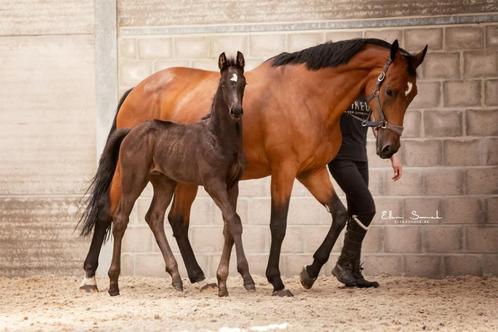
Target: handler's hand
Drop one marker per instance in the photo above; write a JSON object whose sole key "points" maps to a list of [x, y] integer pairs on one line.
{"points": [[397, 168]]}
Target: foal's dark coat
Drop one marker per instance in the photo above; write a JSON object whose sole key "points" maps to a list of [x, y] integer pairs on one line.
{"points": [[207, 153]]}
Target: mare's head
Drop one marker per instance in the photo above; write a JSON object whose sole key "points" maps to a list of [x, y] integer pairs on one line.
{"points": [[389, 95], [232, 83]]}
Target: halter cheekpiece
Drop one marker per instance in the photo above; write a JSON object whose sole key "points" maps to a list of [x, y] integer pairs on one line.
{"points": [[382, 122]]}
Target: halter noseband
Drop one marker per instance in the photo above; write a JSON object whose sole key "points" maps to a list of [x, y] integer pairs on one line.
{"points": [[382, 122]]}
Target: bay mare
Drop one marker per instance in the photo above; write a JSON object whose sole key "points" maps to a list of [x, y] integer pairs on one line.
{"points": [[292, 107]]}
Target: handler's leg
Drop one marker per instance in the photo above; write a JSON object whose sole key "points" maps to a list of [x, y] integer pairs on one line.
{"points": [[352, 177], [319, 184]]}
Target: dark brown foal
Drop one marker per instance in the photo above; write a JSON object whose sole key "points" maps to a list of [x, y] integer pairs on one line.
{"points": [[207, 153]]}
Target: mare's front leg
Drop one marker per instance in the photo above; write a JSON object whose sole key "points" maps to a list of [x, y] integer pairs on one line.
{"points": [[232, 232], [319, 184], [163, 192], [282, 180]]}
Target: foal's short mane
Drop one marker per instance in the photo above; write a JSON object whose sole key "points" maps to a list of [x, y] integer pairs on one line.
{"points": [[332, 54]]}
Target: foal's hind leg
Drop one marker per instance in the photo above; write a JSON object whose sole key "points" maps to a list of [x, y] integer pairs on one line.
{"points": [[163, 191]]}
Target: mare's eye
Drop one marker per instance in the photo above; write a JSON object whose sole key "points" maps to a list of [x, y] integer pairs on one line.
{"points": [[389, 92]]}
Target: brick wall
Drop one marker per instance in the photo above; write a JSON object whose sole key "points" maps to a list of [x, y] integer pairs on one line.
{"points": [[449, 153], [47, 141]]}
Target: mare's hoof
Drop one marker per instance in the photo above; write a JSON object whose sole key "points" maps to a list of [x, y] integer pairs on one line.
{"points": [[89, 288], [113, 292], [207, 286], [283, 293], [178, 286], [306, 280], [222, 292]]}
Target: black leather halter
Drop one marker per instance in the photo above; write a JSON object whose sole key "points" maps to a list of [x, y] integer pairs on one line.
{"points": [[382, 122]]}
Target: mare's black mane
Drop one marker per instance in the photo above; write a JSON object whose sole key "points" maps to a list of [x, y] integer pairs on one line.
{"points": [[332, 54]]}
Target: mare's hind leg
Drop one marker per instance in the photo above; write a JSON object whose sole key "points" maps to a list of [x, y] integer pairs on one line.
{"points": [[319, 184], [179, 217], [233, 229], [163, 192], [89, 283]]}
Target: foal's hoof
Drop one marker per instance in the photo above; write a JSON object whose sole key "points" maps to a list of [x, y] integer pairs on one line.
{"points": [[306, 280], [283, 293], [178, 286], [251, 287], [89, 288], [113, 292], [222, 292]]}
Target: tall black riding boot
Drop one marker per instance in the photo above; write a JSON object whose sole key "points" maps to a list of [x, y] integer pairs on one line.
{"points": [[361, 282], [344, 269]]}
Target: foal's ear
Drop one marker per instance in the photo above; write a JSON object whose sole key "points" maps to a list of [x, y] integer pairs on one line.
{"points": [[240, 60], [419, 57], [394, 49], [222, 61]]}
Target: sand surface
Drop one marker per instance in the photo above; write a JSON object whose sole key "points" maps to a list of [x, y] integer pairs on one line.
{"points": [[151, 304]]}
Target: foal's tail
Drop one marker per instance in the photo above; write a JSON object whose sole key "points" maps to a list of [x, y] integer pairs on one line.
{"points": [[97, 204]]}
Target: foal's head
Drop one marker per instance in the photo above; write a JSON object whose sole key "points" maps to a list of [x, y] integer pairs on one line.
{"points": [[232, 83], [390, 94]]}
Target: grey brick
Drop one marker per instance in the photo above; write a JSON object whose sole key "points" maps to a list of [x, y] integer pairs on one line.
{"points": [[462, 210], [401, 239], [482, 239], [480, 63], [266, 45], [127, 48], [374, 240], [256, 239], [342, 35], [207, 240], [229, 44], [294, 239], [412, 123], [443, 123], [464, 37], [441, 66], [383, 264], [131, 72], [138, 239], [422, 153], [427, 266], [462, 93], [462, 152], [416, 39], [442, 239], [387, 206], [415, 208], [490, 265], [428, 95], [482, 180], [409, 184], [492, 210], [491, 151], [192, 47], [492, 36], [299, 41], [463, 265], [388, 35], [306, 211], [482, 122], [443, 181], [152, 48], [491, 97], [163, 64]]}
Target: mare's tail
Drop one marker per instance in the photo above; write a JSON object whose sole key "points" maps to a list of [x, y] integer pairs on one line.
{"points": [[97, 204]]}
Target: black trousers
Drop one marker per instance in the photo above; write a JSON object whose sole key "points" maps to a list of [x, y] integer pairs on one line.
{"points": [[352, 177]]}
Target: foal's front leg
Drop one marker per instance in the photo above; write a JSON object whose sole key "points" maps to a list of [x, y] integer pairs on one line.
{"points": [[233, 234]]}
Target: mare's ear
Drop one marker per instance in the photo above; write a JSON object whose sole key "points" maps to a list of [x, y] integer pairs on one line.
{"points": [[394, 49], [240, 60], [222, 61], [419, 57]]}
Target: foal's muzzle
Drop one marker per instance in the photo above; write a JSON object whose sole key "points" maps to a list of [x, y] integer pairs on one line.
{"points": [[236, 112]]}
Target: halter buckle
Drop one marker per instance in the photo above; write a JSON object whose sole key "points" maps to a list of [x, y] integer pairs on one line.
{"points": [[381, 77]]}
